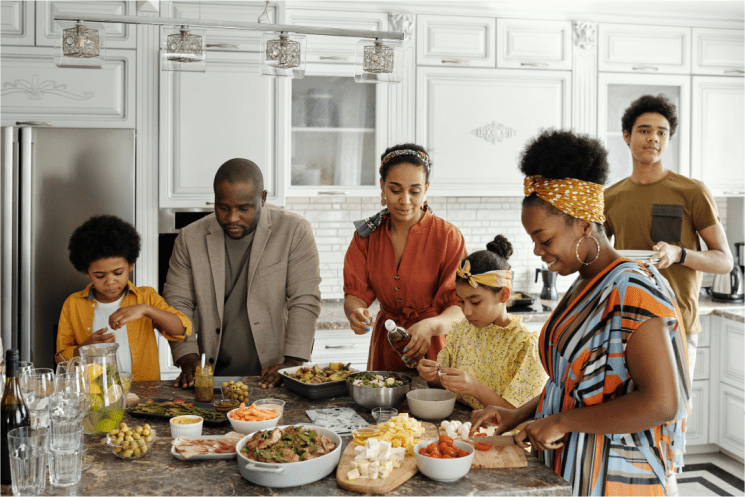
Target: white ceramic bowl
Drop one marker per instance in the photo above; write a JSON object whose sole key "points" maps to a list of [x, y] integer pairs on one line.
{"points": [[190, 430], [444, 469], [247, 427], [431, 403], [292, 474]]}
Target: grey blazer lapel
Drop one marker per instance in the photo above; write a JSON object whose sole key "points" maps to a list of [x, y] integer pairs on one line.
{"points": [[216, 253], [261, 238]]}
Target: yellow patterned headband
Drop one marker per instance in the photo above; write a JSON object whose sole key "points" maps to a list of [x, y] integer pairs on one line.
{"points": [[580, 199], [494, 279]]}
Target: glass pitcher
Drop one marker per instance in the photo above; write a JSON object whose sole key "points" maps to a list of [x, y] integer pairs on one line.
{"points": [[107, 401]]}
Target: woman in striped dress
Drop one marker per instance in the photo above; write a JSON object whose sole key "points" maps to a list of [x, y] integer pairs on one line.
{"points": [[610, 418]]}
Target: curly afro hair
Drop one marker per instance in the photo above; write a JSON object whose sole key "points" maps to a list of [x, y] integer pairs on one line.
{"points": [[494, 258], [102, 237], [405, 159], [559, 154], [649, 103]]}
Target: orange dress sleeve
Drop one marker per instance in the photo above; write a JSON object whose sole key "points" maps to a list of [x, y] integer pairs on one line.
{"points": [[356, 280], [454, 251]]}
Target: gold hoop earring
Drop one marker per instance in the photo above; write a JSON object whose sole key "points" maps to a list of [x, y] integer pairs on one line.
{"points": [[576, 250], [382, 199]]}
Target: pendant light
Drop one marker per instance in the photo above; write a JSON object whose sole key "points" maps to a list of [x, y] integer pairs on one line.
{"points": [[81, 45], [283, 55], [182, 49], [378, 62]]}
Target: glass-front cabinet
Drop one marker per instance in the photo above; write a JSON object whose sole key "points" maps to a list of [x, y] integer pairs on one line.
{"points": [[616, 91]]}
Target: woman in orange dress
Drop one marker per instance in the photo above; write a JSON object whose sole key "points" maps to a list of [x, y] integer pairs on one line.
{"points": [[405, 257]]}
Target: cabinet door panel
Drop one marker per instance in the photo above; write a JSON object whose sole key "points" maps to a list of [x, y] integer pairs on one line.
{"points": [[475, 123], [456, 40], [718, 52], [644, 49], [17, 22], [208, 118], [718, 152], [341, 346], [732, 343], [118, 35], [168, 370], [697, 424], [35, 89], [732, 419], [701, 366], [534, 44]]}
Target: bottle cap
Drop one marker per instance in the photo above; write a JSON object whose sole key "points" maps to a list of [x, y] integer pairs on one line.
{"points": [[12, 355], [390, 325]]}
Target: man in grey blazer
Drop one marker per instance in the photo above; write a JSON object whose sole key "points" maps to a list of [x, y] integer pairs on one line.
{"points": [[250, 272]]}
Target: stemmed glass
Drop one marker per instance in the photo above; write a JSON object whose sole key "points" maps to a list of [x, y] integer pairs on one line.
{"points": [[37, 385]]}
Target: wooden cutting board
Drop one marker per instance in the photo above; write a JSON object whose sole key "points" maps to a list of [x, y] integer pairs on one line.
{"points": [[379, 486], [498, 456]]}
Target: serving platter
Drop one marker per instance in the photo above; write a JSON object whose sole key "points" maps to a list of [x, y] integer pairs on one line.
{"points": [[314, 391], [522, 299], [201, 405], [203, 457]]}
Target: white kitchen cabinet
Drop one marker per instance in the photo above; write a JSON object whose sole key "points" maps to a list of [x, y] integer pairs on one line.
{"points": [[616, 91], [644, 49], [532, 44], [35, 89], [456, 41], [229, 111], [117, 35], [168, 370], [718, 123], [731, 345], [475, 123], [341, 346], [335, 49], [17, 23], [697, 424], [228, 39], [732, 419], [718, 52]]}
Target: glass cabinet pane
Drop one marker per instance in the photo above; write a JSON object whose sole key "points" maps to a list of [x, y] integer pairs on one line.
{"points": [[620, 96], [333, 132]]}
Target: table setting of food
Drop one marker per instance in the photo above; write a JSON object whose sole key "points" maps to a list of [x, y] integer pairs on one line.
{"points": [[327, 430]]}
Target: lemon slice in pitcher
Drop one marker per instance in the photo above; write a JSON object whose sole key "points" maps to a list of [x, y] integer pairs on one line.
{"points": [[94, 371], [113, 394]]}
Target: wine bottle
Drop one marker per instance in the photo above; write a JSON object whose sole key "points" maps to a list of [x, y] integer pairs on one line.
{"points": [[399, 338], [13, 410]]}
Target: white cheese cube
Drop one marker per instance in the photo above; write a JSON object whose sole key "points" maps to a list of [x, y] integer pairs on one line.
{"points": [[384, 456], [363, 467], [360, 458], [387, 466], [383, 474], [384, 446], [359, 449], [353, 474], [378, 377], [390, 381], [372, 453], [372, 473], [375, 464], [371, 442]]}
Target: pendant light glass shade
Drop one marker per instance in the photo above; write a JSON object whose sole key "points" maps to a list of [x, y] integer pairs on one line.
{"points": [[80, 45], [378, 61], [283, 55], [183, 49]]}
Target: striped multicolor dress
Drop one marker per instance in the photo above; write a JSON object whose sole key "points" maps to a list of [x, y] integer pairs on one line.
{"points": [[583, 349]]}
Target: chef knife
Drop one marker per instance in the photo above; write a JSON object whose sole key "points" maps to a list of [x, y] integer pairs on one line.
{"points": [[494, 440]]}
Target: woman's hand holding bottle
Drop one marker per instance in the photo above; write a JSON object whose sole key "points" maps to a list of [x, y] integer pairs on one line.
{"points": [[421, 339]]}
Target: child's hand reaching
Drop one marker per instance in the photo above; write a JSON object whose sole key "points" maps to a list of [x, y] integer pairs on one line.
{"points": [[428, 370], [100, 336], [124, 315], [459, 381]]}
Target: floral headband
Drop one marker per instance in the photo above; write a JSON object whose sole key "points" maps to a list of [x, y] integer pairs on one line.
{"points": [[580, 199], [494, 279], [415, 153]]}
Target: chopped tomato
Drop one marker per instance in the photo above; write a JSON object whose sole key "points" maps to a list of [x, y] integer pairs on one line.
{"points": [[462, 453], [444, 439], [179, 401], [423, 451], [149, 401], [445, 456], [482, 446], [442, 446], [189, 404], [480, 435]]}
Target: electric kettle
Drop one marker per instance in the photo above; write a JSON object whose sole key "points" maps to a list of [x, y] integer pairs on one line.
{"points": [[730, 287]]}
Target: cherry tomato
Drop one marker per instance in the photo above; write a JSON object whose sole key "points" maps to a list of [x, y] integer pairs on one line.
{"points": [[482, 446], [436, 455], [432, 447], [450, 451], [442, 446], [423, 451], [444, 439], [149, 401], [179, 401], [189, 404], [462, 453], [447, 457]]}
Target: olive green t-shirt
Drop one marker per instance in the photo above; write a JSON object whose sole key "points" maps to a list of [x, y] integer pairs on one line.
{"points": [[673, 210]]}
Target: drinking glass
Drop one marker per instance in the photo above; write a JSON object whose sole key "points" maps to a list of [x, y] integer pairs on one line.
{"points": [[28, 460], [383, 414], [2, 379], [66, 459], [78, 382], [37, 385], [67, 408], [24, 366]]}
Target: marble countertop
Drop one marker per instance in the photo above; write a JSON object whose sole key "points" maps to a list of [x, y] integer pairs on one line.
{"points": [[332, 311], [160, 473]]}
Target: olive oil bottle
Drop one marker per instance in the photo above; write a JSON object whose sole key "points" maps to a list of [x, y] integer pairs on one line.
{"points": [[399, 338], [13, 410]]}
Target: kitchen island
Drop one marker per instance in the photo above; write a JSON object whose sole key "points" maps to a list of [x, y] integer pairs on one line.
{"points": [[160, 473]]}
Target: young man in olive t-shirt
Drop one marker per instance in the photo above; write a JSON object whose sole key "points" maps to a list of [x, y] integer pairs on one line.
{"points": [[657, 209]]}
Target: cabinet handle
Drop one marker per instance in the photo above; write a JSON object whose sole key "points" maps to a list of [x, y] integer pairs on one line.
{"points": [[210, 203], [734, 71], [644, 68], [32, 123], [341, 346], [333, 57], [455, 61], [333, 193], [733, 193], [534, 64], [222, 45]]}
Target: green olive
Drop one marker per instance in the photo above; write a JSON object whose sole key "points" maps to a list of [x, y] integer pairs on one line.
{"points": [[145, 433], [141, 442], [225, 384], [138, 429], [147, 427], [117, 450], [120, 436], [136, 436], [149, 438], [136, 452], [128, 438], [127, 453], [143, 449], [113, 433]]}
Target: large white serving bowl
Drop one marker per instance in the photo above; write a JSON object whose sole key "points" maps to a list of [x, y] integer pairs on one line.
{"points": [[247, 427], [291, 474], [444, 469], [431, 403]]}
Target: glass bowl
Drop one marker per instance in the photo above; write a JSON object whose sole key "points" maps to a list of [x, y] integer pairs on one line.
{"points": [[131, 449], [225, 405], [383, 414]]}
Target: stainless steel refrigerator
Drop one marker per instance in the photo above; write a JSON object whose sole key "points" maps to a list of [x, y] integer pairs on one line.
{"points": [[53, 180]]}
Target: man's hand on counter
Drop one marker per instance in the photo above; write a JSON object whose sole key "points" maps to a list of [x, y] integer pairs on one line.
{"points": [[188, 365], [269, 376]]}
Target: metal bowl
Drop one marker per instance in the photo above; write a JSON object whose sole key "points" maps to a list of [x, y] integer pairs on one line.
{"points": [[370, 398]]}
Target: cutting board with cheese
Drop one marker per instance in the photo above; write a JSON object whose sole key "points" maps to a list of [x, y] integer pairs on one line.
{"points": [[379, 486]]}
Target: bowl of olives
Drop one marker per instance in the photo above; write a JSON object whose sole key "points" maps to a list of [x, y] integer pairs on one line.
{"points": [[236, 390], [130, 443]]}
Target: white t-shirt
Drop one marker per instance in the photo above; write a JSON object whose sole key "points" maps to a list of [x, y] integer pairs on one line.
{"points": [[101, 320]]}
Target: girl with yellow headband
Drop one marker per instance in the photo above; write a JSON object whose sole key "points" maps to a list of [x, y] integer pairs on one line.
{"points": [[490, 358], [610, 419]]}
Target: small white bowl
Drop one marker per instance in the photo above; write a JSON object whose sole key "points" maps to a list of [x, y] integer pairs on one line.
{"points": [[431, 403], [190, 430], [247, 427], [444, 469]]}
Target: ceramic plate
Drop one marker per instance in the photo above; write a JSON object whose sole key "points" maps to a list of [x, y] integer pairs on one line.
{"points": [[202, 457]]}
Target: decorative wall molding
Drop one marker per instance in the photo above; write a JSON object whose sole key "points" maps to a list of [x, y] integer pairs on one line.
{"points": [[584, 78], [585, 35], [494, 132], [402, 22], [36, 91]]}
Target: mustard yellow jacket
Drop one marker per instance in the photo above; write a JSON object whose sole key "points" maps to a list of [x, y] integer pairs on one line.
{"points": [[77, 318]]}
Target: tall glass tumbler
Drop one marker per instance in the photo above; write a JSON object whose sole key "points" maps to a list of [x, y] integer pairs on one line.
{"points": [[66, 456], [28, 460]]}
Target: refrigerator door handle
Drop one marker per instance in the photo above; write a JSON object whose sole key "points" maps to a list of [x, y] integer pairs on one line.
{"points": [[9, 225], [25, 137]]}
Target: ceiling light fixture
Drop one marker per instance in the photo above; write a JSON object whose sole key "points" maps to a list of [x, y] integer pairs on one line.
{"points": [[182, 49], [283, 55], [375, 62], [80, 45]]}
